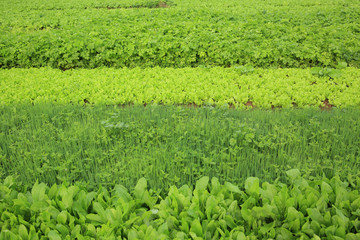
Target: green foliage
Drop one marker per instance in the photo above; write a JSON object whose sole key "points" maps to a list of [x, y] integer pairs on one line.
{"points": [[172, 145], [326, 72], [298, 209], [140, 33], [62, 5], [223, 87], [92, 134]]}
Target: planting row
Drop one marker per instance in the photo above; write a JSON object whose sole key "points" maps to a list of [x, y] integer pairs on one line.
{"points": [[89, 33], [56, 5], [238, 87], [301, 209], [172, 145]]}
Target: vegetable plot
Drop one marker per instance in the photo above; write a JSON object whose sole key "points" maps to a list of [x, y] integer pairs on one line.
{"points": [[301, 209], [238, 87], [171, 145], [92, 33]]}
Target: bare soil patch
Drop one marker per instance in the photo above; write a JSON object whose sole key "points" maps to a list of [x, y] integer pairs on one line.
{"points": [[326, 105]]}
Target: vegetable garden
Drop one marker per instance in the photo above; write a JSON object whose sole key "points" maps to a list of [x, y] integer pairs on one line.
{"points": [[147, 119]]}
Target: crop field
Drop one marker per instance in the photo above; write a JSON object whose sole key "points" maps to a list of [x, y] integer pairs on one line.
{"points": [[240, 88], [179, 119], [187, 33]]}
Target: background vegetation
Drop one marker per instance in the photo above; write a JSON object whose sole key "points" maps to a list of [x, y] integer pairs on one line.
{"points": [[92, 33]]}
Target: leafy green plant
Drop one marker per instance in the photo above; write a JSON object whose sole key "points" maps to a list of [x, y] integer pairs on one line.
{"points": [[232, 87], [326, 72], [300, 208], [142, 33]]}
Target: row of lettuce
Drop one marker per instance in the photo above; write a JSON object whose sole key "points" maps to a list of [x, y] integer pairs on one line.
{"points": [[320, 208], [271, 34], [238, 87]]}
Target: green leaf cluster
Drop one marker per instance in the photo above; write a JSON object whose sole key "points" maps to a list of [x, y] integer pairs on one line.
{"points": [[92, 33], [321, 208], [62, 5], [223, 87]]}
